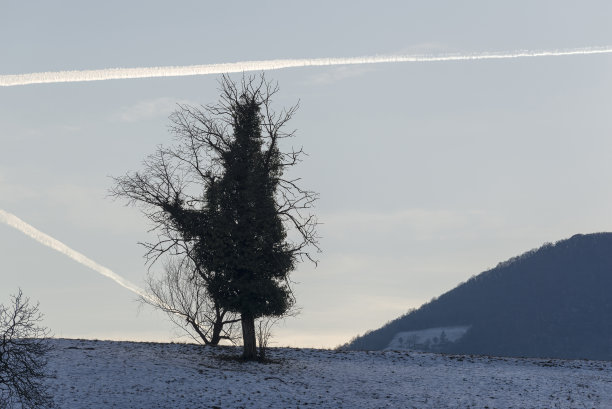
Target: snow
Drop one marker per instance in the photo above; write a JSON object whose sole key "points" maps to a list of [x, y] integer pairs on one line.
{"points": [[427, 337], [106, 374]]}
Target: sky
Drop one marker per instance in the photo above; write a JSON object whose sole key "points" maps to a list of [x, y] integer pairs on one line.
{"points": [[428, 173]]}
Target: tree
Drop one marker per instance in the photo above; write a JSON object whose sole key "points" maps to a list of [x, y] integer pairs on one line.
{"points": [[263, 329], [23, 350], [443, 338], [222, 199], [182, 294]]}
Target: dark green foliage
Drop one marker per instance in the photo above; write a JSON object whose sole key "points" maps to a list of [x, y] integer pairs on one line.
{"points": [[241, 235], [551, 302]]}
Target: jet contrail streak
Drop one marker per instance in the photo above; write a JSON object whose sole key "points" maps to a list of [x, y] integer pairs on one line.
{"points": [[25, 228], [266, 65]]}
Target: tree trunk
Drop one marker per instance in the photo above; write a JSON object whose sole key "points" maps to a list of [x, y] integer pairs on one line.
{"points": [[216, 333], [249, 351]]}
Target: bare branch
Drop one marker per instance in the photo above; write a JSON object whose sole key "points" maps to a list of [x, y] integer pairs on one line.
{"points": [[181, 294]]}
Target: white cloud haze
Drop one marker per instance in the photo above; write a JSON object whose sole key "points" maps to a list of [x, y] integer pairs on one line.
{"points": [[150, 108]]}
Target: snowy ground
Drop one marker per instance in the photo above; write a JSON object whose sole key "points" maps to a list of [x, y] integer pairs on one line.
{"points": [[104, 374]]}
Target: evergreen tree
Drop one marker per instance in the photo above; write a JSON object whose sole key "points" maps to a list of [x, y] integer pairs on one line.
{"points": [[235, 230], [245, 240]]}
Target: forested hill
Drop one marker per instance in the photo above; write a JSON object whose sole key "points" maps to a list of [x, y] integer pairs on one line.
{"points": [[555, 301]]}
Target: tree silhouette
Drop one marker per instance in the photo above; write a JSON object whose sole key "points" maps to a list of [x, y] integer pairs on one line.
{"points": [[23, 350], [222, 199]]}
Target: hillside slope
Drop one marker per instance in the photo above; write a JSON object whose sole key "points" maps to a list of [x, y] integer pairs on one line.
{"points": [[104, 374], [555, 301]]}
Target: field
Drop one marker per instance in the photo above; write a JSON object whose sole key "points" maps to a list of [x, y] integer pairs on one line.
{"points": [[106, 374]]}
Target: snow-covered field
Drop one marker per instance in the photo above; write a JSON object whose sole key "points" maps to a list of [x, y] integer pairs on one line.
{"points": [[105, 374]]}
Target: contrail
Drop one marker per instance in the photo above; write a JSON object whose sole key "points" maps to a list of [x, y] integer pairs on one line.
{"points": [[17, 223], [266, 65], [29, 230]]}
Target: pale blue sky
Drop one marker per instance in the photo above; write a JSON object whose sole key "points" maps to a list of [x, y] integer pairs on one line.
{"points": [[428, 173]]}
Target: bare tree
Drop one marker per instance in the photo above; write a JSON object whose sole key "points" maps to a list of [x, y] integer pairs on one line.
{"points": [[23, 349], [181, 293], [264, 326]]}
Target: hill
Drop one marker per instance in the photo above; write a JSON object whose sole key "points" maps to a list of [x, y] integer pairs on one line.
{"points": [[555, 301], [105, 374]]}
